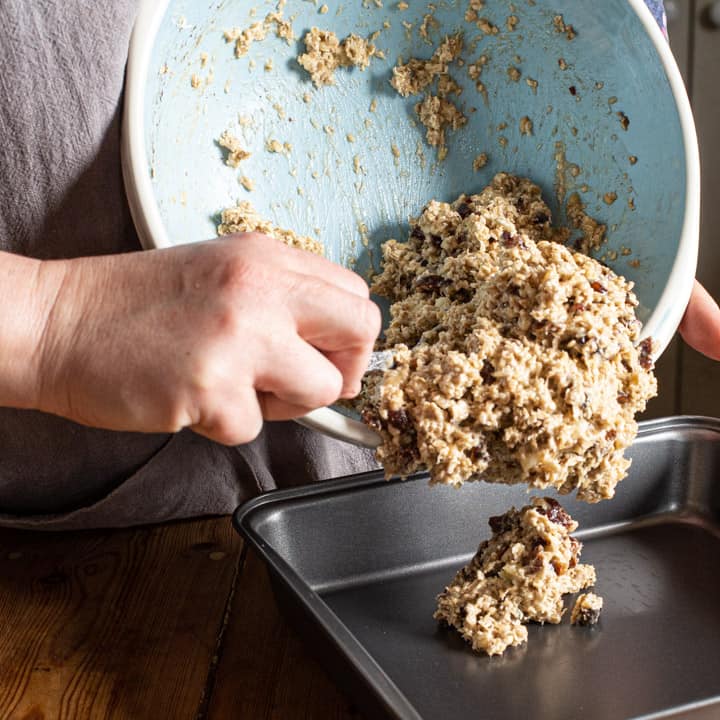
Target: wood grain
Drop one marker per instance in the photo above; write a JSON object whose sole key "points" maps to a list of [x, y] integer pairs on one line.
{"points": [[112, 624], [264, 671]]}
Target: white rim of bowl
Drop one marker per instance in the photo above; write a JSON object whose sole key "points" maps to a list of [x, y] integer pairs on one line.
{"points": [[661, 325]]}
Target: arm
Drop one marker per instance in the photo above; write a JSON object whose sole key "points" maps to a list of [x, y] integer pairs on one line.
{"points": [[216, 336]]}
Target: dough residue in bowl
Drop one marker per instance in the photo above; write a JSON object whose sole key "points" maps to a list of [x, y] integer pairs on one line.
{"points": [[435, 111], [325, 53], [243, 218]]}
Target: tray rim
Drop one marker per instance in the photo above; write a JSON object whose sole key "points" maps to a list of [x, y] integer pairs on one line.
{"points": [[332, 627]]}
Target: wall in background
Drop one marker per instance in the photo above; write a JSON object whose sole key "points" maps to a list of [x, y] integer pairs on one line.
{"points": [[690, 383]]}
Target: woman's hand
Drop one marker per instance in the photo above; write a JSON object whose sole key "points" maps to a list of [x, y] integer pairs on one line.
{"points": [[214, 336], [700, 328]]}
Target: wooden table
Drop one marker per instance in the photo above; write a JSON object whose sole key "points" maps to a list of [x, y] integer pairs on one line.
{"points": [[175, 621]]}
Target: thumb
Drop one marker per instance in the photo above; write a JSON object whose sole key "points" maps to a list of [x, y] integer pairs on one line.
{"points": [[700, 328]]}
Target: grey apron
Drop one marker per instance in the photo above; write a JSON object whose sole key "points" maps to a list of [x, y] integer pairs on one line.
{"points": [[62, 64]]}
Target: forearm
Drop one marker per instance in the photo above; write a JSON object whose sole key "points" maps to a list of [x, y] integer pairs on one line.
{"points": [[28, 289]]}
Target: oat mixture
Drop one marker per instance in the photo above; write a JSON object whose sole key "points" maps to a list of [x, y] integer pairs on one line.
{"points": [[244, 218], [592, 232], [436, 111], [236, 152], [515, 357], [518, 576], [586, 610], [258, 31], [325, 53]]}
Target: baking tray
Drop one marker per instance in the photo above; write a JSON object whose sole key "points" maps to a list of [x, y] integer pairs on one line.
{"points": [[356, 564]]}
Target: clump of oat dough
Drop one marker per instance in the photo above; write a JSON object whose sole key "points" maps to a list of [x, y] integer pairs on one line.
{"points": [[325, 53], [515, 357], [244, 218], [518, 576], [435, 111], [586, 610]]}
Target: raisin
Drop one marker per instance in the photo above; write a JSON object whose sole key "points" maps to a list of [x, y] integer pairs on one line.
{"points": [[573, 90], [541, 218], [468, 572], [535, 560], [371, 419], [464, 210], [462, 295], [646, 354], [610, 435], [488, 372], [409, 455], [555, 512], [436, 240], [479, 452], [417, 234], [500, 524], [598, 287], [431, 284], [622, 397], [587, 616], [510, 240], [400, 419]]}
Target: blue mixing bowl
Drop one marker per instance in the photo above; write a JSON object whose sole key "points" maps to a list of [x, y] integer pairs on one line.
{"points": [[610, 94]]}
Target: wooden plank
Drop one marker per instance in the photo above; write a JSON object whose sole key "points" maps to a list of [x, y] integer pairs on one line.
{"points": [[264, 671], [700, 388], [112, 624]]}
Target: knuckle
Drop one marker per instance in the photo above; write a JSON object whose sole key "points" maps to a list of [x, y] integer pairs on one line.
{"points": [[227, 321], [178, 416], [233, 431], [244, 269], [359, 286], [326, 392], [237, 270], [368, 321]]}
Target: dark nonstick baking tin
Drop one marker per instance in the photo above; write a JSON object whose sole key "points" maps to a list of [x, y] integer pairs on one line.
{"points": [[357, 563]]}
